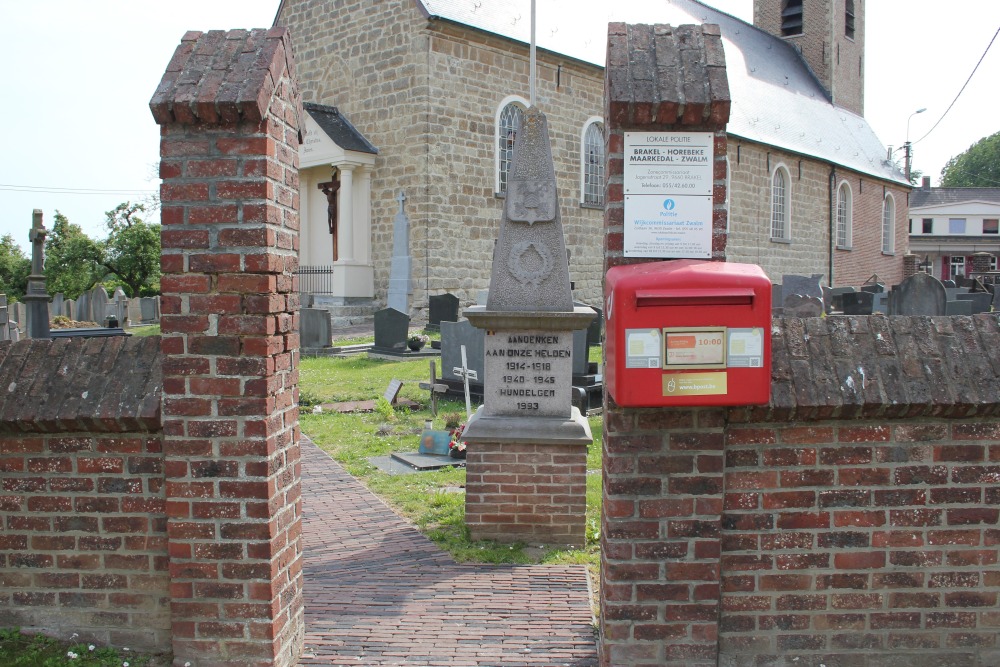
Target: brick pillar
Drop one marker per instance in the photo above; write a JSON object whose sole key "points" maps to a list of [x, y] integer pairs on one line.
{"points": [[229, 114], [663, 483], [911, 265]]}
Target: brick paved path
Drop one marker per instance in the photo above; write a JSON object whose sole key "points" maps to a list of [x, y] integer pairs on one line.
{"points": [[380, 593]]}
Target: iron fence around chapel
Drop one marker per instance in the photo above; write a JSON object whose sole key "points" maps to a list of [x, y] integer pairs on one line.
{"points": [[315, 279]]}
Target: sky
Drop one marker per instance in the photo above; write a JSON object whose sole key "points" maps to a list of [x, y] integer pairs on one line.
{"points": [[78, 136]]}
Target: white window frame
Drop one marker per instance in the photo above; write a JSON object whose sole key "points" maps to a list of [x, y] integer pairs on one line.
{"points": [[585, 162], [845, 216], [888, 225], [498, 161], [956, 266], [729, 187], [993, 262], [781, 212]]}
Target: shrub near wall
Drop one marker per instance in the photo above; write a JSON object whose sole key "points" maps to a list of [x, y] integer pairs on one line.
{"points": [[83, 544]]}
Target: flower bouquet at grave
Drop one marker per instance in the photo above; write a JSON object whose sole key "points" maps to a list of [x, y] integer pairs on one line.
{"points": [[456, 448], [416, 342]]}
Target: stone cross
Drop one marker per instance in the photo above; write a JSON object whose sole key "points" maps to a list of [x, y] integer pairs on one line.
{"points": [[466, 374], [401, 197], [36, 297]]}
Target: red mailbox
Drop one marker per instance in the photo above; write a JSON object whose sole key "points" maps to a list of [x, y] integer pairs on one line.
{"points": [[688, 332]]}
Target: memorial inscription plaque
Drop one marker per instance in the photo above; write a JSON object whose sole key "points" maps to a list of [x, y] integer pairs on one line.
{"points": [[534, 370]]}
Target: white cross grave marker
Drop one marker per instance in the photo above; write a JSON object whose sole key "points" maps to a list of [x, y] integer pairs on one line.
{"points": [[465, 374]]}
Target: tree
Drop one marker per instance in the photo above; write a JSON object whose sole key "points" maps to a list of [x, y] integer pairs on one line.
{"points": [[14, 268], [132, 249], [72, 259], [978, 167]]}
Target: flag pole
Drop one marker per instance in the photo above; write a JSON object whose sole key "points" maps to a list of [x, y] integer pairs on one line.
{"points": [[531, 72]]}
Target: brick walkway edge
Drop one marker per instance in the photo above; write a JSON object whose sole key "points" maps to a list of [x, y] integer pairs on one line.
{"points": [[377, 592]]}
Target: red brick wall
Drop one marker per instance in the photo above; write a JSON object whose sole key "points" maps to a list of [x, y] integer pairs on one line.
{"points": [[528, 492], [871, 536], [83, 545]]}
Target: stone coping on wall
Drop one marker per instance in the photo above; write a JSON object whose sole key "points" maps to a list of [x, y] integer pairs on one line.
{"points": [[875, 366], [104, 385]]}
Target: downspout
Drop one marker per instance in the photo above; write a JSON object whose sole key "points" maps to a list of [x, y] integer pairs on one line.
{"points": [[833, 230]]}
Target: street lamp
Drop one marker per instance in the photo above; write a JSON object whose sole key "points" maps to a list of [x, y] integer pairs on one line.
{"points": [[909, 153]]}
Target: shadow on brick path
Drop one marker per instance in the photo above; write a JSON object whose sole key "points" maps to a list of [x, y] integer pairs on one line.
{"points": [[377, 592]]}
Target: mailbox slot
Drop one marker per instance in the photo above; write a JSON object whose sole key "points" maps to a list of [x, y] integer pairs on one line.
{"points": [[695, 297]]}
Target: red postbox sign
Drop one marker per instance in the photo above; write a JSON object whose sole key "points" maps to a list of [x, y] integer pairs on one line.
{"points": [[688, 332]]}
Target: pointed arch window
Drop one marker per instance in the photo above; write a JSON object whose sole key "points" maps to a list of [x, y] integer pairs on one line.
{"points": [[592, 163], [508, 122]]}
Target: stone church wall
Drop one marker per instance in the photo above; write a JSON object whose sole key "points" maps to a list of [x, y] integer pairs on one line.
{"points": [[427, 95]]}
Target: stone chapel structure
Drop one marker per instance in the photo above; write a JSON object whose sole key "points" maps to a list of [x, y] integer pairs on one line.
{"points": [[432, 91]]}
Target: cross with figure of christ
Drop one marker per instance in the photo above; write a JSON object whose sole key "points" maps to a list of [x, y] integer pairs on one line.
{"points": [[331, 190]]}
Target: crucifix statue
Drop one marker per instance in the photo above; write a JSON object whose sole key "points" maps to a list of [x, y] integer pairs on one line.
{"points": [[36, 298], [331, 190]]}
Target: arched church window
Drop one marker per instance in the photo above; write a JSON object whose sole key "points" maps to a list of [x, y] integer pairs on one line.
{"points": [[781, 211], [592, 163], [508, 124]]}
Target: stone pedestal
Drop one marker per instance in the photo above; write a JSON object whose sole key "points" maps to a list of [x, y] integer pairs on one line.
{"points": [[526, 468]]}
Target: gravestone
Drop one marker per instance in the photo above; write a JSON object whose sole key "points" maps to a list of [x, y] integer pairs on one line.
{"points": [[82, 308], [441, 308], [149, 309], [874, 288], [99, 303], [880, 303], [858, 303], [56, 305], [69, 308], [949, 283], [981, 301], [837, 298], [134, 311], [391, 329], [596, 328], [399, 270], [315, 328], [119, 306], [4, 319], [453, 336], [798, 305], [19, 314], [958, 308], [920, 294], [802, 285]]}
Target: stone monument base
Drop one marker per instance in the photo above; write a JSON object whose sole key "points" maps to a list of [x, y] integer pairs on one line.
{"points": [[526, 479]]}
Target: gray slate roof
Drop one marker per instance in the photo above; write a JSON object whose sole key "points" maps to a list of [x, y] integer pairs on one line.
{"points": [[339, 129], [920, 197], [776, 98]]}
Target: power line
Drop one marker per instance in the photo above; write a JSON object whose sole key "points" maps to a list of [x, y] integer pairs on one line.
{"points": [[41, 189], [963, 88]]}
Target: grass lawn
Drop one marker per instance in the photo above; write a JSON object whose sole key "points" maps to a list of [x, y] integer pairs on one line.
{"points": [[17, 650], [433, 501]]}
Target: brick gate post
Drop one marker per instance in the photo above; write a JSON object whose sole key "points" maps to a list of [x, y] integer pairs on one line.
{"points": [[663, 468], [229, 113]]}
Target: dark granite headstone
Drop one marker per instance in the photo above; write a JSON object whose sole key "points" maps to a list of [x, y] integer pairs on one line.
{"points": [[391, 329], [453, 336], [441, 308], [958, 308], [981, 301], [858, 303], [874, 288], [837, 297], [920, 294], [949, 283]]}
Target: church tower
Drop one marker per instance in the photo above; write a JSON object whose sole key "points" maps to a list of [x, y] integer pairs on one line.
{"points": [[830, 35]]}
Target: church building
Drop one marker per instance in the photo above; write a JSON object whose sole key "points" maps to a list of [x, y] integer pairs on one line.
{"points": [[414, 105]]}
